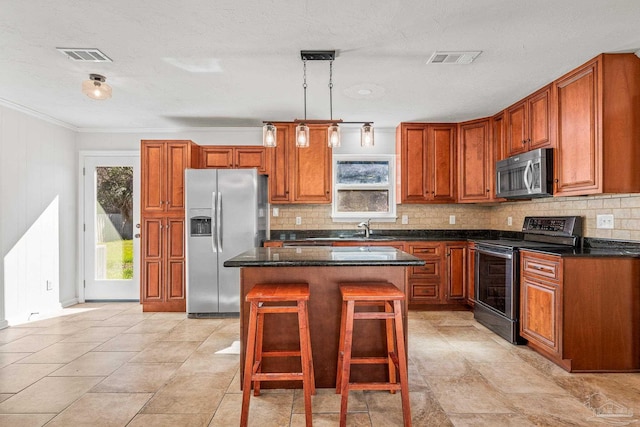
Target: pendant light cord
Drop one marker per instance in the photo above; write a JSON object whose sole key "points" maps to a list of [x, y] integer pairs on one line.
{"points": [[331, 89], [304, 86]]}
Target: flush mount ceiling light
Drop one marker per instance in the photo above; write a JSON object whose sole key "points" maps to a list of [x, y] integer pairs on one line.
{"points": [[96, 88], [302, 129]]}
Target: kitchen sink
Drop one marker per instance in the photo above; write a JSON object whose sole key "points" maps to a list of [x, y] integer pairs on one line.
{"points": [[353, 238]]}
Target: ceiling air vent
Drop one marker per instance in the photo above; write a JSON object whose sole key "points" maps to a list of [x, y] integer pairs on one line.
{"points": [[84, 55], [453, 57]]}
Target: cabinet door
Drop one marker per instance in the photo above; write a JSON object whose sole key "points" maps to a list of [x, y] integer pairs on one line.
{"points": [[431, 253], [456, 272], [474, 179], [538, 120], [540, 313], [250, 157], [177, 161], [153, 177], [312, 168], [413, 156], [471, 274], [279, 165], [441, 160], [217, 157], [175, 280], [578, 163], [151, 283], [517, 128]]}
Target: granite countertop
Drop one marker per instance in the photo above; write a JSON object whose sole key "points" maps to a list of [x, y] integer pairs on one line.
{"points": [[324, 256], [590, 252]]}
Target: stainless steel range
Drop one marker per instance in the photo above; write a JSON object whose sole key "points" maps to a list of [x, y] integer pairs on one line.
{"points": [[497, 273]]}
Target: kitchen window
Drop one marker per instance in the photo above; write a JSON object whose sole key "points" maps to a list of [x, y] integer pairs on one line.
{"points": [[363, 187]]}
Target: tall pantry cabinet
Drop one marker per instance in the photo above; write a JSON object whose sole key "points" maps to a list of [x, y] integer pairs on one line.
{"points": [[162, 285]]}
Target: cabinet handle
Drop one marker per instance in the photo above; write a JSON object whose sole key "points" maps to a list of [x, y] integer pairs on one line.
{"points": [[524, 142], [488, 190]]}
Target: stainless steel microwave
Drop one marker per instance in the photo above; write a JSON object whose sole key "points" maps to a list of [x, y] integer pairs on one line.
{"points": [[526, 175]]}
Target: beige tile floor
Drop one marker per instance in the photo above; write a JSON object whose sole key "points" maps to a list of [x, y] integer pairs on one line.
{"points": [[112, 365]]}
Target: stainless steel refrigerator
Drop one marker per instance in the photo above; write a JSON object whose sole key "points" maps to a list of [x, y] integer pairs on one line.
{"points": [[227, 213]]}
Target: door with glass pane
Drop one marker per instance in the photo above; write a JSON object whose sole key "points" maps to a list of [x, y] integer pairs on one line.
{"points": [[111, 229]]}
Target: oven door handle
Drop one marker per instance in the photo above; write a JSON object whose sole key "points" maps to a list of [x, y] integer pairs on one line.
{"points": [[528, 173]]}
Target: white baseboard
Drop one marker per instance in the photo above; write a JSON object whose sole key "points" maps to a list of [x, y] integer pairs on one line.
{"points": [[4, 324], [69, 303]]}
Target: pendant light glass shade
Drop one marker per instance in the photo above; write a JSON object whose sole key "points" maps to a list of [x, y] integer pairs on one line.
{"points": [[269, 135], [333, 136], [366, 135], [302, 135], [96, 88]]}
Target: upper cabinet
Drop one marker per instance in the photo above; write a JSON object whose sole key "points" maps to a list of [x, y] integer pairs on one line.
{"points": [[529, 123], [234, 157], [427, 155], [475, 162], [300, 175], [597, 127], [163, 165]]}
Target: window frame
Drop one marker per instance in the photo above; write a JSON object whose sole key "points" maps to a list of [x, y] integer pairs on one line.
{"points": [[390, 215]]}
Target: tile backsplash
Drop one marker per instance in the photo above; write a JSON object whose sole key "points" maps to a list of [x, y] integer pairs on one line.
{"points": [[624, 207]]}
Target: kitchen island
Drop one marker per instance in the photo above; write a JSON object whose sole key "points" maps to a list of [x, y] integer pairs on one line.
{"points": [[323, 268]]}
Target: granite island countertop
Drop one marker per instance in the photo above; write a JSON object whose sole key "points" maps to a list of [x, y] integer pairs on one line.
{"points": [[324, 256]]}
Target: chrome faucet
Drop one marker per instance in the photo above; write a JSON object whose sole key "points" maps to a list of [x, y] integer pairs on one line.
{"points": [[367, 227]]}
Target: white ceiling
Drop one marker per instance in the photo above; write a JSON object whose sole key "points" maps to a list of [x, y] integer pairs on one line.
{"points": [[247, 57]]}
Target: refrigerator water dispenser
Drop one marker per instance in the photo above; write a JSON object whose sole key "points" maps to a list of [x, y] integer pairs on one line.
{"points": [[200, 226]]}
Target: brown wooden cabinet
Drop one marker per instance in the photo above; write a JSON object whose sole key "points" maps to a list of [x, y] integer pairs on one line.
{"points": [[300, 175], [597, 127], [582, 312], [529, 123], [456, 289], [163, 164], [427, 155], [541, 300], [471, 277], [162, 285], [234, 157], [442, 279], [475, 162]]}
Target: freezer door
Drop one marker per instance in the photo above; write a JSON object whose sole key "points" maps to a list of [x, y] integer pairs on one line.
{"points": [[201, 259], [237, 220]]}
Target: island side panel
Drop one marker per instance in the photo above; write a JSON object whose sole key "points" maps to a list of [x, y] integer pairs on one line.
{"points": [[324, 319]]}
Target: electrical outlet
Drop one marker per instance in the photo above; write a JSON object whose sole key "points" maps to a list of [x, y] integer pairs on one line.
{"points": [[276, 212], [604, 221], [405, 219], [298, 220], [509, 220], [452, 219]]}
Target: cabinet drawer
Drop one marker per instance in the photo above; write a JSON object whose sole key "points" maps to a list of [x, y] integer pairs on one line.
{"points": [[430, 270], [424, 251], [425, 292], [546, 266]]}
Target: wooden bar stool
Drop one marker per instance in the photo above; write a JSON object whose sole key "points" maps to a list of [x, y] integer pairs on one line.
{"points": [[297, 293], [373, 295]]}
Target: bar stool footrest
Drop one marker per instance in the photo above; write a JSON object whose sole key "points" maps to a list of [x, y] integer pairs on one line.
{"points": [[374, 386]]}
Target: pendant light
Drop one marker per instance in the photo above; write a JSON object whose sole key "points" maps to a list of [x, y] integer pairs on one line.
{"points": [[333, 132], [96, 88], [302, 129], [269, 135], [366, 135]]}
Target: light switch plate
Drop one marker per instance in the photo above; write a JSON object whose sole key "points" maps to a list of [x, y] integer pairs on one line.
{"points": [[405, 219], [604, 221], [452, 219], [276, 212]]}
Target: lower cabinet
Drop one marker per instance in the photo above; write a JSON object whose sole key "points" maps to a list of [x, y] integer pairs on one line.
{"points": [[541, 301], [582, 312], [442, 280], [163, 267]]}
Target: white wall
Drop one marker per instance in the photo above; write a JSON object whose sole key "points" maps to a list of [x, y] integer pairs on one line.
{"points": [[38, 205], [125, 140]]}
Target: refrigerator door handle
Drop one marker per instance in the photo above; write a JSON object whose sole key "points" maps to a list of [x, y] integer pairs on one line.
{"points": [[214, 248], [219, 222]]}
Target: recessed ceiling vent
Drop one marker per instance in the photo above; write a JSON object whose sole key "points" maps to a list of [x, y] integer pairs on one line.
{"points": [[84, 55], [453, 57]]}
